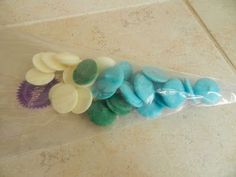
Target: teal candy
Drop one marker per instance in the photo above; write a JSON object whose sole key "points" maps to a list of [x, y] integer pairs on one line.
{"points": [[208, 89], [144, 88], [158, 99], [110, 80], [129, 95], [155, 74], [173, 93], [99, 95], [127, 69], [188, 87], [150, 110]]}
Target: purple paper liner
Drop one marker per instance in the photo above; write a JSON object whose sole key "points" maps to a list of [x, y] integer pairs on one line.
{"points": [[31, 96]]}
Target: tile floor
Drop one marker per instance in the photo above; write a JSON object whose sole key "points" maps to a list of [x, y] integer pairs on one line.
{"points": [[177, 34]]}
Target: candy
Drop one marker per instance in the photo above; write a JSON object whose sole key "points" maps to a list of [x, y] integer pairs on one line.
{"points": [[118, 105], [144, 88], [208, 90], [52, 89], [67, 58], [49, 59], [64, 98], [99, 114], [40, 65], [37, 77], [126, 68], [150, 110], [129, 95], [109, 80], [85, 99], [86, 72], [104, 63], [155, 74], [173, 93], [100, 95], [188, 87]]}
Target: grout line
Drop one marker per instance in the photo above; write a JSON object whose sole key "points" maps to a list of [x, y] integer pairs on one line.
{"points": [[210, 35]]}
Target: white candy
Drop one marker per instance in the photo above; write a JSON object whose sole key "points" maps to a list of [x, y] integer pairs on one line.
{"points": [[104, 62], [40, 65], [52, 89], [67, 59], [50, 60], [64, 98], [37, 77], [85, 99]]}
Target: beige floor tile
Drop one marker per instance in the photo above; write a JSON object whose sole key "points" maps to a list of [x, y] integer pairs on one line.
{"points": [[13, 13], [197, 142], [219, 17]]}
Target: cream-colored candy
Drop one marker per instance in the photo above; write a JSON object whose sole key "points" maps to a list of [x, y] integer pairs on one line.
{"points": [[37, 77], [68, 78], [50, 60], [40, 65], [104, 62], [67, 59], [52, 89], [64, 98], [85, 99]]}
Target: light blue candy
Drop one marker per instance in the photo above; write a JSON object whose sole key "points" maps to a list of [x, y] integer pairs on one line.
{"points": [[129, 95], [144, 88], [208, 89], [155, 74], [127, 69], [173, 93], [99, 95], [188, 87], [109, 80], [158, 99], [150, 110]]}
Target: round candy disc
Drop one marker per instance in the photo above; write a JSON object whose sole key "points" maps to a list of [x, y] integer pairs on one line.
{"points": [[150, 110], [104, 63], [64, 98], [37, 77], [100, 95], [40, 65], [85, 99], [52, 89], [129, 95], [155, 74], [126, 68], [173, 93], [208, 89], [49, 59], [109, 80], [188, 86], [66, 58], [86, 72], [99, 114], [144, 88], [118, 105]]}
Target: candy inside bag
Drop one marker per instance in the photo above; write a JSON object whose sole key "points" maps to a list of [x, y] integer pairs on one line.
{"points": [[104, 89]]}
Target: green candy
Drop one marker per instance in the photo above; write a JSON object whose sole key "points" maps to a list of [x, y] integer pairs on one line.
{"points": [[118, 105], [85, 72], [100, 114]]}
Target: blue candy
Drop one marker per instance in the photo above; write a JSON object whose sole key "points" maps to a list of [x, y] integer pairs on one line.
{"points": [[109, 80], [144, 88], [208, 89], [188, 87], [155, 74], [158, 99], [173, 93], [102, 95], [129, 95], [150, 110], [127, 69]]}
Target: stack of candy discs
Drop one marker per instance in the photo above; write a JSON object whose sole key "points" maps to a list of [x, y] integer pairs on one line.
{"points": [[105, 89]]}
